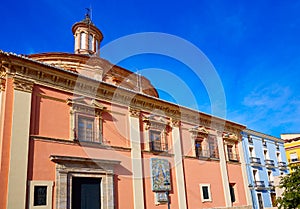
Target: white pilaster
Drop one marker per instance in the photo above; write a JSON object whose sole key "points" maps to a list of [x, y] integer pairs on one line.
{"points": [[17, 176], [2, 96], [244, 172], [224, 172], [136, 159], [181, 193]]}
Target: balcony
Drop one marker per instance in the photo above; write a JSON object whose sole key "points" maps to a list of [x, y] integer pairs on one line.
{"points": [[233, 157], [270, 164], [271, 185], [255, 161], [282, 165], [259, 185]]}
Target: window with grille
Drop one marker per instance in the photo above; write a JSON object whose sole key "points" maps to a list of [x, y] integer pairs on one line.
{"points": [[86, 128]]}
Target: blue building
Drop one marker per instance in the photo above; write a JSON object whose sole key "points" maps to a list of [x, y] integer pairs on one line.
{"points": [[265, 161]]}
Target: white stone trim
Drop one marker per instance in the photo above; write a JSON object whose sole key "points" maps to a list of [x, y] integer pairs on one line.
{"points": [[17, 177], [136, 160], [224, 173], [49, 185], [68, 167], [178, 165], [244, 173], [209, 193]]}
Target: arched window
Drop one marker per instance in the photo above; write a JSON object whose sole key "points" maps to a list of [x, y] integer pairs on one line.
{"points": [[97, 47], [91, 47], [82, 40]]}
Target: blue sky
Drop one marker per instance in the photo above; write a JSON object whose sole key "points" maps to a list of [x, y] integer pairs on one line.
{"points": [[253, 45]]}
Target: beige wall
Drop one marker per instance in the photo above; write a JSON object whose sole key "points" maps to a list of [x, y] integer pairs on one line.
{"points": [[17, 177]]}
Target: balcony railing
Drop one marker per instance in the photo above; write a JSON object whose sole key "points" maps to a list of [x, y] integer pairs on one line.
{"points": [[207, 154], [233, 157], [282, 165], [271, 185], [255, 161], [269, 163], [259, 185]]}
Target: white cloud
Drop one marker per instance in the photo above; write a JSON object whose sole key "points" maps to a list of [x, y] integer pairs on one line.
{"points": [[271, 110]]}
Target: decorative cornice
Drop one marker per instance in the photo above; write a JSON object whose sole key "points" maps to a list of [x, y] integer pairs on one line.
{"points": [[134, 112], [155, 122], [262, 135], [58, 78], [81, 105], [22, 84], [175, 123], [230, 137], [2, 84]]}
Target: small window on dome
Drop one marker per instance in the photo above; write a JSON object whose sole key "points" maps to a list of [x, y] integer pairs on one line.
{"points": [[82, 40], [91, 47], [97, 47]]}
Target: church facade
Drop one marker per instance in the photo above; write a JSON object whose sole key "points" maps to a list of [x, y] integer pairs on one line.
{"points": [[76, 133]]}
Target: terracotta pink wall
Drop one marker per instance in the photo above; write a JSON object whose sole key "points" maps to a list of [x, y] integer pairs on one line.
{"points": [[41, 168], [235, 176], [203, 172], [148, 193], [116, 125], [5, 158], [50, 118], [187, 143]]}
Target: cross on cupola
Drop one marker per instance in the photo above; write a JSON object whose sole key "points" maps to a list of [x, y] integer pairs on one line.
{"points": [[87, 36]]}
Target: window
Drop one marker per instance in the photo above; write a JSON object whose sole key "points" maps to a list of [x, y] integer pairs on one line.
{"points": [[278, 156], [264, 142], [250, 140], [294, 157], [277, 145], [232, 194], [156, 141], [213, 147], [86, 120], [97, 48], [91, 47], [260, 201], [85, 130], [231, 154], [205, 192], [156, 128], [82, 40], [198, 148], [40, 194], [266, 154], [273, 199], [251, 152]]}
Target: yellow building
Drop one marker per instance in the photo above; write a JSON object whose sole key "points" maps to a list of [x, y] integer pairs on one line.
{"points": [[292, 148]]}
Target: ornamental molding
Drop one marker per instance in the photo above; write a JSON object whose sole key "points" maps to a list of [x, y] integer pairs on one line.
{"points": [[88, 106], [199, 131], [68, 81], [2, 84], [154, 122], [22, 84], [175, 123], [230, 137], [134, 112]]}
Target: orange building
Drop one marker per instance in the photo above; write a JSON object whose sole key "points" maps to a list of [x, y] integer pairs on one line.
{"points": [[75, 133]]}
